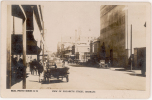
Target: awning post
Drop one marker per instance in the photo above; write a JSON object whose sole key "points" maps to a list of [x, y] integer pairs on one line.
{"points": [[8, 86], [24, 54], [24, 48]]}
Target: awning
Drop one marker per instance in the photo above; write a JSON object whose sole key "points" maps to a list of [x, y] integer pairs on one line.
{"points": [[17, 45], [28, 9]]}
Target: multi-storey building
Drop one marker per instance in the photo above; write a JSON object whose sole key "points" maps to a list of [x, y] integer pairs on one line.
{"points": [[112, 33], [121, 30]]}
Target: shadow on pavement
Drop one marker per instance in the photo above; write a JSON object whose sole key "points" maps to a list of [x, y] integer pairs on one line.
{"points": [[17, 80], [137, 75], [122, 69], [133, 72], [53, 81]]}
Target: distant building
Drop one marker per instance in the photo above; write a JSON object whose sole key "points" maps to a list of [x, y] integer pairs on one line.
{"points": [[82, 47], [64, 49], [75, 46], [95, 48]]}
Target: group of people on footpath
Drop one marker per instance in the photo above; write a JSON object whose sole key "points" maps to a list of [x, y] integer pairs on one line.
{"points": [[17, 68], [36, 66]]}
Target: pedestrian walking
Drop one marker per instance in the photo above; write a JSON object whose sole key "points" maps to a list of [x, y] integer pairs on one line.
{"points": [[39, 68], [31, 67], [35, 66]]}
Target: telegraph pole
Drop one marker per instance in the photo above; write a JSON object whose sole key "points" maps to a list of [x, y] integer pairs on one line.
{"points": [[76, 42], [43, 44], [131, 46]]}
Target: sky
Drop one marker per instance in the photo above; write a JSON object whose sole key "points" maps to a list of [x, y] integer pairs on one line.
{"points": [[62, 19]]}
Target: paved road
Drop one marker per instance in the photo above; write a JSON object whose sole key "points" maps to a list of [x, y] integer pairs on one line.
{"points": [[82, 77]]}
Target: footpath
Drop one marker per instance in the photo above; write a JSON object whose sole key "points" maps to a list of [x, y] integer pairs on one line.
{"points": [[32, 82]]}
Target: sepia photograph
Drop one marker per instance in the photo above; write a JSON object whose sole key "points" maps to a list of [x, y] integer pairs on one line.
{"points": [[76, 48]]}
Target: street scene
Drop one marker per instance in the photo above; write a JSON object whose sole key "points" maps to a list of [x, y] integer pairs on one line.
{"points": [[77, 46], [93, 77]]}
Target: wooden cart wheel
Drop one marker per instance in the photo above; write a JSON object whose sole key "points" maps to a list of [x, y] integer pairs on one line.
{"points": [[67, 78]]}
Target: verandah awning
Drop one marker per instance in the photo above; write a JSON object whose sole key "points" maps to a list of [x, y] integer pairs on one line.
{"points": [[16, 41], [17, 45]]}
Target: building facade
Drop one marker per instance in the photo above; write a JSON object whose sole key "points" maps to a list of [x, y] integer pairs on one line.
{"points": [[82, 47], [25, 33], [112, 33], [95, 48], [122, 28]]}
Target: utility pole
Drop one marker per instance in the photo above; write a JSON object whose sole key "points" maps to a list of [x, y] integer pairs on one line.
{"points": [[75, 42], [131, 47], [43, 43]]}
